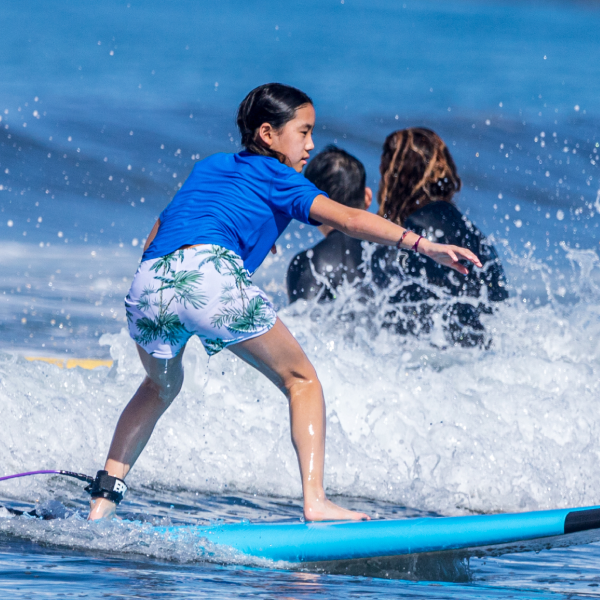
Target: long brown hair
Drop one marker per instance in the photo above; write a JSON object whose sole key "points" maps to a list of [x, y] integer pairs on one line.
{"points": [[416, 169]]}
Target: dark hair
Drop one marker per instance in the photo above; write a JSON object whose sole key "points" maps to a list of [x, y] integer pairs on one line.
{"points": [[416, 169], [340, 175], [272, 103]]}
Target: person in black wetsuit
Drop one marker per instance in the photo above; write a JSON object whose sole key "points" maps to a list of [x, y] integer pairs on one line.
{"points": [[320, 271], [418, 183]]}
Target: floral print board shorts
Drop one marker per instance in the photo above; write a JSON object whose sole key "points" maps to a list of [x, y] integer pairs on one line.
{"points": [[204, 291]]}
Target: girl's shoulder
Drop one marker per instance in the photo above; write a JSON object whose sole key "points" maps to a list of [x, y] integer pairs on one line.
{"points": [[245, 159], [250, 168], [267, 165], [215, 159], [211, 163], [222, 164]]}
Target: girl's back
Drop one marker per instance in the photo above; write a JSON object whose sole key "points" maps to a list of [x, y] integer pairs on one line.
{"points": [[242, 202]]}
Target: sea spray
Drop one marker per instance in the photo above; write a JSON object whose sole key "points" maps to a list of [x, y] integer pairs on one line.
{"points": [[447, 429]]}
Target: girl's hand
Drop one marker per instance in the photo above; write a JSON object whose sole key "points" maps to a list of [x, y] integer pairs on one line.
{"points": [[448, 255]]}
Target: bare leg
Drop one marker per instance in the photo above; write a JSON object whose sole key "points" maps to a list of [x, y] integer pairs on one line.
{"points": [[159, 388], [278, 355]]}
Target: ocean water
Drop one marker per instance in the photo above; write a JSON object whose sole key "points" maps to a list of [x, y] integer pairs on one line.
{"points": [[104, 109]]}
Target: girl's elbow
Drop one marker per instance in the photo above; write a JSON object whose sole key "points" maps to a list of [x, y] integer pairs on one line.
{"points": [[353, 225]]}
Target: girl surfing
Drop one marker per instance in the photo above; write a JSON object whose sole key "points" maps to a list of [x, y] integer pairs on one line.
{"points": [[194, 279]]}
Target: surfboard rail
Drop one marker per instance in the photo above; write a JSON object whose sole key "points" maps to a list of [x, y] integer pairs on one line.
{"points": [[330, 541]]}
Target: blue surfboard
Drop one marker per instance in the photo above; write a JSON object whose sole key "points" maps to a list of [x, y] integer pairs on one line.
{"points": [[330, 541]]}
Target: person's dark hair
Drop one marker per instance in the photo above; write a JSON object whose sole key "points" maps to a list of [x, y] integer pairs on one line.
{"points": [[416, 169], [272, 103], [340, 175]]}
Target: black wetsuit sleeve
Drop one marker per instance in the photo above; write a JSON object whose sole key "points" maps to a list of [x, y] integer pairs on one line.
{"points": [[445, 224], [301, 283]]}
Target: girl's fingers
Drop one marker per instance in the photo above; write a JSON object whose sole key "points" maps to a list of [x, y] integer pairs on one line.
{"points": [[455, 264], [460, 268], [468, 255], [450, 255]]}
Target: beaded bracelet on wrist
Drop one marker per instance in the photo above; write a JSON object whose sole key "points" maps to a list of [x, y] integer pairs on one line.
{"points": [[404, 234]]}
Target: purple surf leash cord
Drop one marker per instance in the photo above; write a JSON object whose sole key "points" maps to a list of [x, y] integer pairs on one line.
{"points": [[79, 476], [101, 486]]}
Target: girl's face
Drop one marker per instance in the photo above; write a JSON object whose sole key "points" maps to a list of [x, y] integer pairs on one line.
{"points": [[294, 139]]}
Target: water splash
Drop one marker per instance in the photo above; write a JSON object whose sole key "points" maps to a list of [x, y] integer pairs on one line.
{"points": [[511, 428]]}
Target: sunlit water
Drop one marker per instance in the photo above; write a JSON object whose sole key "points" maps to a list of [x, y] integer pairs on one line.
{"points": [[104, 112]]}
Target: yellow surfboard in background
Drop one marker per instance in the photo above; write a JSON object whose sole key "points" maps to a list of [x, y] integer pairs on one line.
{"points": [[71, 363]]}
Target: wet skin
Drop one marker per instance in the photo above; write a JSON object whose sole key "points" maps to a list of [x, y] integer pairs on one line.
{"points": [[279, 357], [276, 353]]}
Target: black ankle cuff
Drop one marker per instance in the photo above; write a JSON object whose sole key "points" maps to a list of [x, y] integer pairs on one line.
{"points": [[107, 486]]}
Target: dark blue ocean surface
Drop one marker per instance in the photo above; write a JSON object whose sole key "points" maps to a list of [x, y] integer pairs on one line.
{"points": [[105, 107]]}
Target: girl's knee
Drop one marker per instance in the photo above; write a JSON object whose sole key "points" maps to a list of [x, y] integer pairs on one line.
{"points": [[171, 390], [165, 374], [166, 388], [303, 379]]}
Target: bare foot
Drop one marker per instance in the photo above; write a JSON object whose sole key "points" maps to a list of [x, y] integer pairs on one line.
{"points": [[325, 510], [101, 508]]}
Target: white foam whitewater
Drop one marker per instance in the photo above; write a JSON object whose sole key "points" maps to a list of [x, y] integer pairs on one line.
{"points": [[511, 428]]}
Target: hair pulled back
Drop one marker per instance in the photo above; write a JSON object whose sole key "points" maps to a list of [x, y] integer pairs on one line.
{"points": [[416, 169], [273, 103]]}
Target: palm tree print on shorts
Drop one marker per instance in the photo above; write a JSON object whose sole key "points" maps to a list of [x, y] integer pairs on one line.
{"points": [[212, 346], [184, 285], [220, 258], [253, 315]]}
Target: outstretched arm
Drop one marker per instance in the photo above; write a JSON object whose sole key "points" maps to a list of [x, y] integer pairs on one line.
{"points": [[373, 228]]}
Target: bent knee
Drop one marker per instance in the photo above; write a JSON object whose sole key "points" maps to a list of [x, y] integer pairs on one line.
{"points": [[165, 376], [301, 380], [166, 388]]}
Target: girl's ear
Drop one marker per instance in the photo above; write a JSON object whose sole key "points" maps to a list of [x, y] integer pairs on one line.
{"points": [[266, 134]]}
